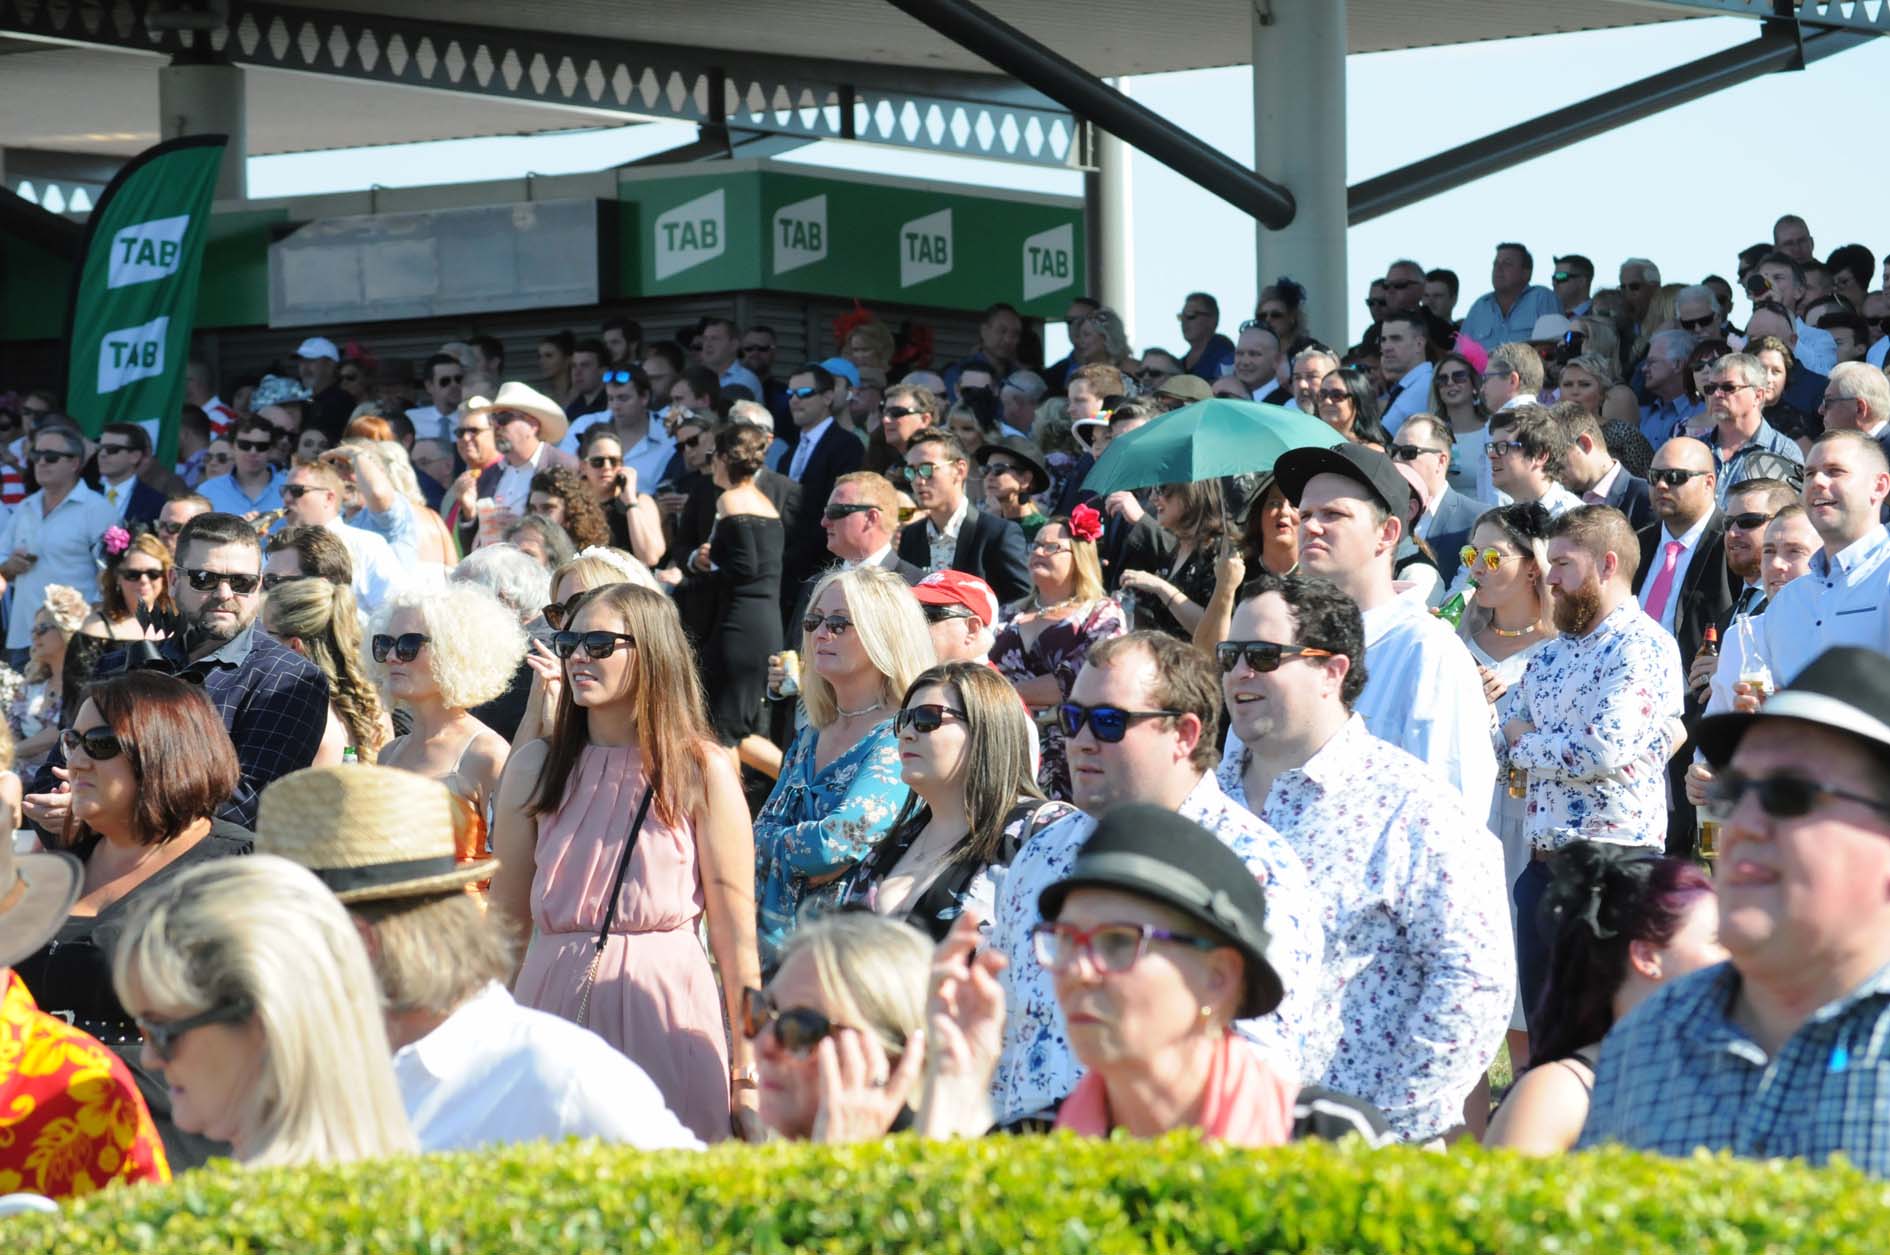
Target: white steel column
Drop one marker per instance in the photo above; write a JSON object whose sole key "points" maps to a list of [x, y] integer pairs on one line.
{"points": [[1299, 141], [208, 100]]}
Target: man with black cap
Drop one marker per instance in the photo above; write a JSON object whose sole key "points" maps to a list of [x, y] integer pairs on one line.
{"points": [[1139, 724], [1418, 952], [1780, 1052], [1422, 692]]}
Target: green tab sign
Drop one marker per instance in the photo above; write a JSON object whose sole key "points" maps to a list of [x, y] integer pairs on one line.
{"points": [[762, 225], [134, 295]]}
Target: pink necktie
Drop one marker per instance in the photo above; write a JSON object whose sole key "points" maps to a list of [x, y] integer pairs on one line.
{"points": [[1656, 600]]}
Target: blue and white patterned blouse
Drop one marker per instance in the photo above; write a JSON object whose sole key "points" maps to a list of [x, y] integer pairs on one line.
{"points": [[817, 824]]}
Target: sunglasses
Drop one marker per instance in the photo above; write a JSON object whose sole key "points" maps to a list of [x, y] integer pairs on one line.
{"points": [[1334, 395], [756, 348], [275, 580], [295, 492], [100, 744], [255, 446], [996, 467], [461, 433], [163, 1038], [115, 448], [1704, 323], [597, 646], [1751, 520], [801, 394], [51, 455], [603, 462], [835, 625], [927, 719], [143, 575], [1722, 389], [944, 614], [1469, 554], [405, 647], [1110, 947], [1110, 723], [168, 528], [1453, 377], [924, 470], [559, 613], [1563, 276], [1780, 797], [1262, 656], [898, 411], [1410, 452], [798, 1029], [615, 376], [209, 581], [834, 513], [1673, 478], [217, 457]]}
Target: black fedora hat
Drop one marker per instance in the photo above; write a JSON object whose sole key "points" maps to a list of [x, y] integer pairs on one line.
{"points": [[1846, 689], [1024, 451], [1157, 854]]}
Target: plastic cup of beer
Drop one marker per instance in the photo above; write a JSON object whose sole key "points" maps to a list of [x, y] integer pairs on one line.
{"points": [[1707, 843]]}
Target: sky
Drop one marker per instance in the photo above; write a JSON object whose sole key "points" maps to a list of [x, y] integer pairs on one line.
{"points": [[1660, 188]]}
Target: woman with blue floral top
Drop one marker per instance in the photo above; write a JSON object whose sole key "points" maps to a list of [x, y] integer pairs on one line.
{"points": [[864, 640]]}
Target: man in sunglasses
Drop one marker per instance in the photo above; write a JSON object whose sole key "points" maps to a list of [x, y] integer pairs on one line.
{"points": [[180, 509], [1140, 725], [1744, 445], [49, 537], [252, 486], [949, 531], [1408, 876], [444, 381], [273, 701], [314, 499], [821, 455], [1857, 398], [1779, 1052], [1602, 706], [1639, 279], [1574, 280], [123, 451]]}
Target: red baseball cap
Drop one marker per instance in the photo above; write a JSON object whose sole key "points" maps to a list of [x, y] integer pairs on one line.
{"points": [[956, 588]]}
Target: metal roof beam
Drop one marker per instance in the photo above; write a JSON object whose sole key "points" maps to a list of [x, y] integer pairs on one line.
{"points": [[1771, 52]]}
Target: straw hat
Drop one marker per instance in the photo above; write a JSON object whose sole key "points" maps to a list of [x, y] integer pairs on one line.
{"points": [[526, 399], [368, 833], [36, 893]]}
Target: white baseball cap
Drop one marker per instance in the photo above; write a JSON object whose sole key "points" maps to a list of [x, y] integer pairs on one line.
{"points": [[319, 346]]}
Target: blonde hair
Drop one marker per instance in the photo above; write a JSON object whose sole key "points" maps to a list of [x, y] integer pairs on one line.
{"points": [[873, 970], [394, 461], [597, 566], [323, 616], [891, 629], [474, 643], [264, 931], [432, 953], [1087, 581], [66, 607], [879, 341]]}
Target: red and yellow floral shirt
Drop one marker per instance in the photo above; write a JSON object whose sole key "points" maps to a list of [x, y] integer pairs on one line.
{"points": [[71, 1118]]}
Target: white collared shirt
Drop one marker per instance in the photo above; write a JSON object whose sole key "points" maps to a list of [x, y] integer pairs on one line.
{"points": [[496, 1073], [574, 435], [514, 490], [1037, 1068], [1414, 906], [122, 491], [1605, 708], [1413, 396], [1689, 544], [1841, 601], [804, 451], [378, 570], [429, 423], [874, 559], [62, 541]]}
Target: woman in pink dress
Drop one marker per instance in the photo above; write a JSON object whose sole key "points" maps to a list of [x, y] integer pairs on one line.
{"points": [[566, 809]]}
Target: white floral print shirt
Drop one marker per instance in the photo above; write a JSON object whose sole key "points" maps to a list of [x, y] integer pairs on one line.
{"points": [[1419, 962], [1037, 1069], [1606, 708]]}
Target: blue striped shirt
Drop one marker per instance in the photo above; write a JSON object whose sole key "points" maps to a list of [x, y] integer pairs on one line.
{"points": [[1678, 1074]]}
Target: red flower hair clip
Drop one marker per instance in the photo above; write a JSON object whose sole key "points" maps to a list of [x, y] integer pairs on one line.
{"points": [[1086, 523]]}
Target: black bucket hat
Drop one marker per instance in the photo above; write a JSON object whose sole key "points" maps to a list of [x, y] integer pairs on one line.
{"points": [[1158, 855]]}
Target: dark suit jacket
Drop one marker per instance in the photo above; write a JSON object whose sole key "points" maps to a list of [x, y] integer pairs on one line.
{"points": [[1632, 497], [989, 547], [894, 563], [145, 501], [838, 453], [1454, 519], [1705, 592]]}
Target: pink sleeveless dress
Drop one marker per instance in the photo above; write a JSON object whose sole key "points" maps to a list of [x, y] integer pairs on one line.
{"points": [[655, 998]]}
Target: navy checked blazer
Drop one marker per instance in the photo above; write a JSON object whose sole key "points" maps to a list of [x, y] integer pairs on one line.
{"points": [[273, 701]]}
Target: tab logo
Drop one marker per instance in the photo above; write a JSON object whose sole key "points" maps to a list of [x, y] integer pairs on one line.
{"points": [[925, 248], [800, 234], [147, 250], [1049, 261], [692, 233], [132, 353]]}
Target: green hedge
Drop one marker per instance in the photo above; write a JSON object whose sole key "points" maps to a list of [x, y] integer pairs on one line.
{"points": [[1003, 1196]]}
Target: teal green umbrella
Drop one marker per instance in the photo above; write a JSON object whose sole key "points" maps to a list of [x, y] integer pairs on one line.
{"points": [[1206, 440]]}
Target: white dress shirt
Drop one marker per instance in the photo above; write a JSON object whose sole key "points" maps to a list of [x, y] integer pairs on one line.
{"points": [[574, 435], [1412, 396], [514, 490], [804, 451], [1558, 500], [1842, 601], [1036, 1068], [1816, 348], [429, 423], [120, 491], [495, 1073], [1689, 545], [378, 571], [1419, 957], [62, 541]]}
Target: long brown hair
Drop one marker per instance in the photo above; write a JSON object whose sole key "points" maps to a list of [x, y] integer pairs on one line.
{"points": [[671, 715], [112, 606]]}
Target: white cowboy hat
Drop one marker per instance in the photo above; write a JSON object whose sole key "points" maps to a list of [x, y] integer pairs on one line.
{"points": [[526, 399]]}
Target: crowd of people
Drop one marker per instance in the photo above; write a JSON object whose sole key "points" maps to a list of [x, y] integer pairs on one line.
{"points": [[666, 745]]}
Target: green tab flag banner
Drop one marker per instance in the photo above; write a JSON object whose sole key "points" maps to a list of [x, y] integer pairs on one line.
{"points": [[135, 294]]}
